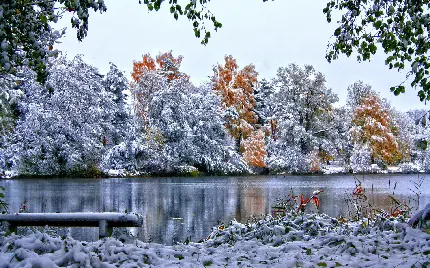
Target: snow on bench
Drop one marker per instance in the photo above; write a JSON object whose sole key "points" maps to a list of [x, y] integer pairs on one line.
{"points": [[105, 220]]}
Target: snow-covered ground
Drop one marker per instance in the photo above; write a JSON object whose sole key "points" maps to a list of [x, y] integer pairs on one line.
{"points": [[291, 241], [372, 169]]}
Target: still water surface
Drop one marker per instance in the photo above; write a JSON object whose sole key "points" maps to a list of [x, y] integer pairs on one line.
{"points": [[177, 208]]}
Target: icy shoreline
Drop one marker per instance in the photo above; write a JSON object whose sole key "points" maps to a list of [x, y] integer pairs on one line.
{"points": [[294, 240]]}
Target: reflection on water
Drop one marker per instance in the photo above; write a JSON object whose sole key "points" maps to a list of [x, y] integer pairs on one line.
{"points": [[177, 208]]}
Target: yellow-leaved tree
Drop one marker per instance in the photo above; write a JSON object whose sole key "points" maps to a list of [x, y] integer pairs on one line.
{"points": [[236, 88], [372, 127]]}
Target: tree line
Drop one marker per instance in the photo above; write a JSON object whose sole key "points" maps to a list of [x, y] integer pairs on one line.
{"points": [[82, 123]]}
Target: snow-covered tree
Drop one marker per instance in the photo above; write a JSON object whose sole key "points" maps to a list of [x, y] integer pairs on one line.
{"points": [[356, 92], [10, 94], [373, 128], [302, 107], [64, 122], [339, 134], [191, 122], [254, 149], [164, 63], [236, 89], [418, 129], [182, 123], [263, 107], [146, 82], [116, 83], [361, 158], [402, 128]]}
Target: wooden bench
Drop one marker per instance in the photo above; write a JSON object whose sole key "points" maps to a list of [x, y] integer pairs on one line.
{"points": [[105, 220]]}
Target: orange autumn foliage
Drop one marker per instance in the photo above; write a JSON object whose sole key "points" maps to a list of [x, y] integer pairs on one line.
{"points": [[315, 162], [373, 126], [164, 62], [140, 67], [255, 149], [236, 88], [318, 157]]}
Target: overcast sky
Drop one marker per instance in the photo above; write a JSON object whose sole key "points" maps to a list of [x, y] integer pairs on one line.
{"points": [[269, 35]]}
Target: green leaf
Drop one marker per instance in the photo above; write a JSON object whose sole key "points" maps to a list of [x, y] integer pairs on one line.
{"points": [[322, 264], [197, 32], [421, 95], [378, 24], [43, 19], [372, 48], [396, 92]]}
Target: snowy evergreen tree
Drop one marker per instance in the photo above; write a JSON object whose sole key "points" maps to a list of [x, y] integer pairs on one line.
{"points": [[263, 108], [116, 83]]}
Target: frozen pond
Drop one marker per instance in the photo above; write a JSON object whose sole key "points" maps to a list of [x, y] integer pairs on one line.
{"points": [[177, 208]]}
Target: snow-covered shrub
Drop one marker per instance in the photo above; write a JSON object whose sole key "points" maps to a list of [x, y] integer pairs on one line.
{"points": [[287, 159], [409, 168], [361, 159]]}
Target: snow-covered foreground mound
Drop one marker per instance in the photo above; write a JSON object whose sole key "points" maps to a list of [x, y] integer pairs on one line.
{"points": [[308, 241]]}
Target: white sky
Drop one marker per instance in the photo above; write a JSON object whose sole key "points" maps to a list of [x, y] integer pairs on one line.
{"points": [[269, 35]]}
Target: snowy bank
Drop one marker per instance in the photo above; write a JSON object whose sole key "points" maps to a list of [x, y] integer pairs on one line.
{"points": [[404, 168], [294, 240]]}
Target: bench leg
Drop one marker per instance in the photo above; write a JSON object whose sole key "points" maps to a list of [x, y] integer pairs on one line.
{"points": [[104, 229]]}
